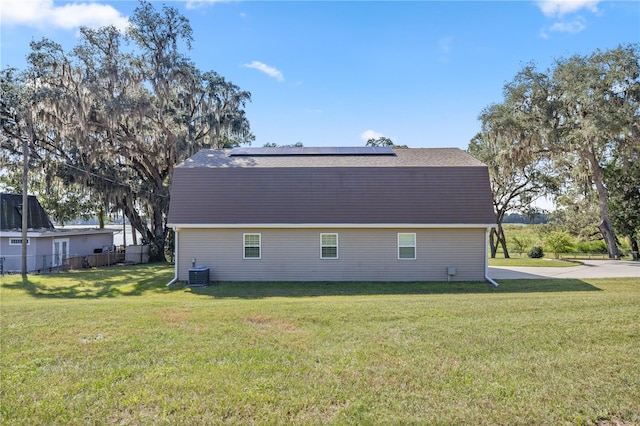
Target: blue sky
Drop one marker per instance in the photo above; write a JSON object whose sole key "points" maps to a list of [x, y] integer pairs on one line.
{"points": [[334, 73]]}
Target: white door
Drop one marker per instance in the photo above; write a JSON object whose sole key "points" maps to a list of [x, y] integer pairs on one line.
{"points": [[60, 251]]}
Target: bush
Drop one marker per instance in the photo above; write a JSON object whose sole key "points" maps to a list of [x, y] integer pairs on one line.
{"points": [[559, 242], [598, 246], [536, 253], [520, 244]]}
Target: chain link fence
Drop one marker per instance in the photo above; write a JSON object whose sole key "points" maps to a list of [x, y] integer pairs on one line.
{"points": [[46, 264]]}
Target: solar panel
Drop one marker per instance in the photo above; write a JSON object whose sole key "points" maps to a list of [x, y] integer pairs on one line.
{"points": [[293, 151]]}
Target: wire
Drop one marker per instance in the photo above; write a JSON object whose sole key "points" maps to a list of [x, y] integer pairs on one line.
{"points": [[115, 182]]}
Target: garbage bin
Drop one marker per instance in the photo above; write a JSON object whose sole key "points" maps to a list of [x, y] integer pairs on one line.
{"points": [[199, 276]]}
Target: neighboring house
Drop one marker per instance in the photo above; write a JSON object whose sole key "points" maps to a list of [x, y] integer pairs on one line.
{"points": [[47, 247], [332, 214]]}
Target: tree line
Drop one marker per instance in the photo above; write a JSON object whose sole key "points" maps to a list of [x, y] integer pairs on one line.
{"points": [[571, 132], [102, 126]]}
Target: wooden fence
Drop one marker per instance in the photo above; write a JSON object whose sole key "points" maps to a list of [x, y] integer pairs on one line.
{"points": [[93, 260]]}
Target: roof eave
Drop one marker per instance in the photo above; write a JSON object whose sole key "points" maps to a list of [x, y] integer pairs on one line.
{"points": [[331, 225]]}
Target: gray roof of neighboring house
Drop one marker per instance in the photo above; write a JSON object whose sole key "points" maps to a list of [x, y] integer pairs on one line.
{"points": [[11, 213], [414, 186]]}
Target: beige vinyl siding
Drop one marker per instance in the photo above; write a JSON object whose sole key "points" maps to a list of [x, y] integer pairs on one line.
{"points": [[293, 254]]}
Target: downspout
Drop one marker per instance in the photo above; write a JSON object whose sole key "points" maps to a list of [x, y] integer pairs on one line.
{"points": [[175, 251], [486, 259]]}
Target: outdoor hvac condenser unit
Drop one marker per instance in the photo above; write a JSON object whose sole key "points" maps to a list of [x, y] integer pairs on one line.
{"points": [[199, 276]]}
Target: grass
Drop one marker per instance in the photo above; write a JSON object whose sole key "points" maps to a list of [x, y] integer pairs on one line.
{"points": [[115, 346]]}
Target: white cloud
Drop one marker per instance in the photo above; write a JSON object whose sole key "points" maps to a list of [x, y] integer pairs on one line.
{"points": [[270, 71], [43, 14], [370, 134], [570, 27], [559, 8], [195, 4]]}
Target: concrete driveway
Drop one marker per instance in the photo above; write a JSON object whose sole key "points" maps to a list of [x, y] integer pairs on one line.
{"points": [[590, 269]]}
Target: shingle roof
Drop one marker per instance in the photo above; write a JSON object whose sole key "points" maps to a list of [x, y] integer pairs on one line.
{"points": [[416, 186], [11, 213], [414, 157]]}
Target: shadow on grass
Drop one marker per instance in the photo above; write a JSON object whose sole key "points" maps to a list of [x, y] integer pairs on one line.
{"points": [[258, 290], [112, 281]]}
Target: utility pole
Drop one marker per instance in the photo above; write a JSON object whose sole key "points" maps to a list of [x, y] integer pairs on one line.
{"points": [[25, 202], [25, 188]]}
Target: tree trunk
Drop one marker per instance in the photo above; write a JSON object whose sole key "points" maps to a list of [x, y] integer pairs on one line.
{"points": [[503, 240], [603, 197], [154, 236], [101, 218], [492, 243], [124, 230], [634, 247], [497, 239], [156, 251]]}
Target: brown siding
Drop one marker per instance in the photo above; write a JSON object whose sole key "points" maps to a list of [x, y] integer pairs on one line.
{"points": [[364, 255], [433, 195]]}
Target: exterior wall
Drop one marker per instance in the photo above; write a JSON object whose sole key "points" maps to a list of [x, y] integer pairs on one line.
{"points": [[40, 249], [11, 254], [81, 245], [364, 254], [40, 258]]}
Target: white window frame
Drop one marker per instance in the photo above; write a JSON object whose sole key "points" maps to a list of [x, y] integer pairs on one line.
{"points": [[245, 246], [414, 246], [322, 246], [18, 241]]}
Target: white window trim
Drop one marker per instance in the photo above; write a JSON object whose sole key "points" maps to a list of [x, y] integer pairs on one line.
{"points": [[244, 246], [415, 244], [18, 241], [322, 246]]}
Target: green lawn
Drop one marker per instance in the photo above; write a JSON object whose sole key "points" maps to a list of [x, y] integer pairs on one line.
{"points": [[115, 346]]}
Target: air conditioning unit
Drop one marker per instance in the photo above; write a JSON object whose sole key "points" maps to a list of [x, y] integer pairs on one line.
{"points": [[199, 276]]}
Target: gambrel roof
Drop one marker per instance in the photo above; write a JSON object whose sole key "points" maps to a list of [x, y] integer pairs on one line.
{"points": [[423, 186], [11, 213]]}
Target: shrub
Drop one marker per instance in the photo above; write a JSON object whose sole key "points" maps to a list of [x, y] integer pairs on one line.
{"points": [[536, 253], [559, 242], [520, 244], [597, 246]]}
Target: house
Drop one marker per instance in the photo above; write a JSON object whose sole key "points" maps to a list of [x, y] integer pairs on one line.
{"points": [[332, 214], [47, 247]]}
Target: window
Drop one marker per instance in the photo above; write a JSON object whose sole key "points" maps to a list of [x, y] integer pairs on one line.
{"points": [[329, 246], [17, 241], [407, 246], [251, 246]]}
